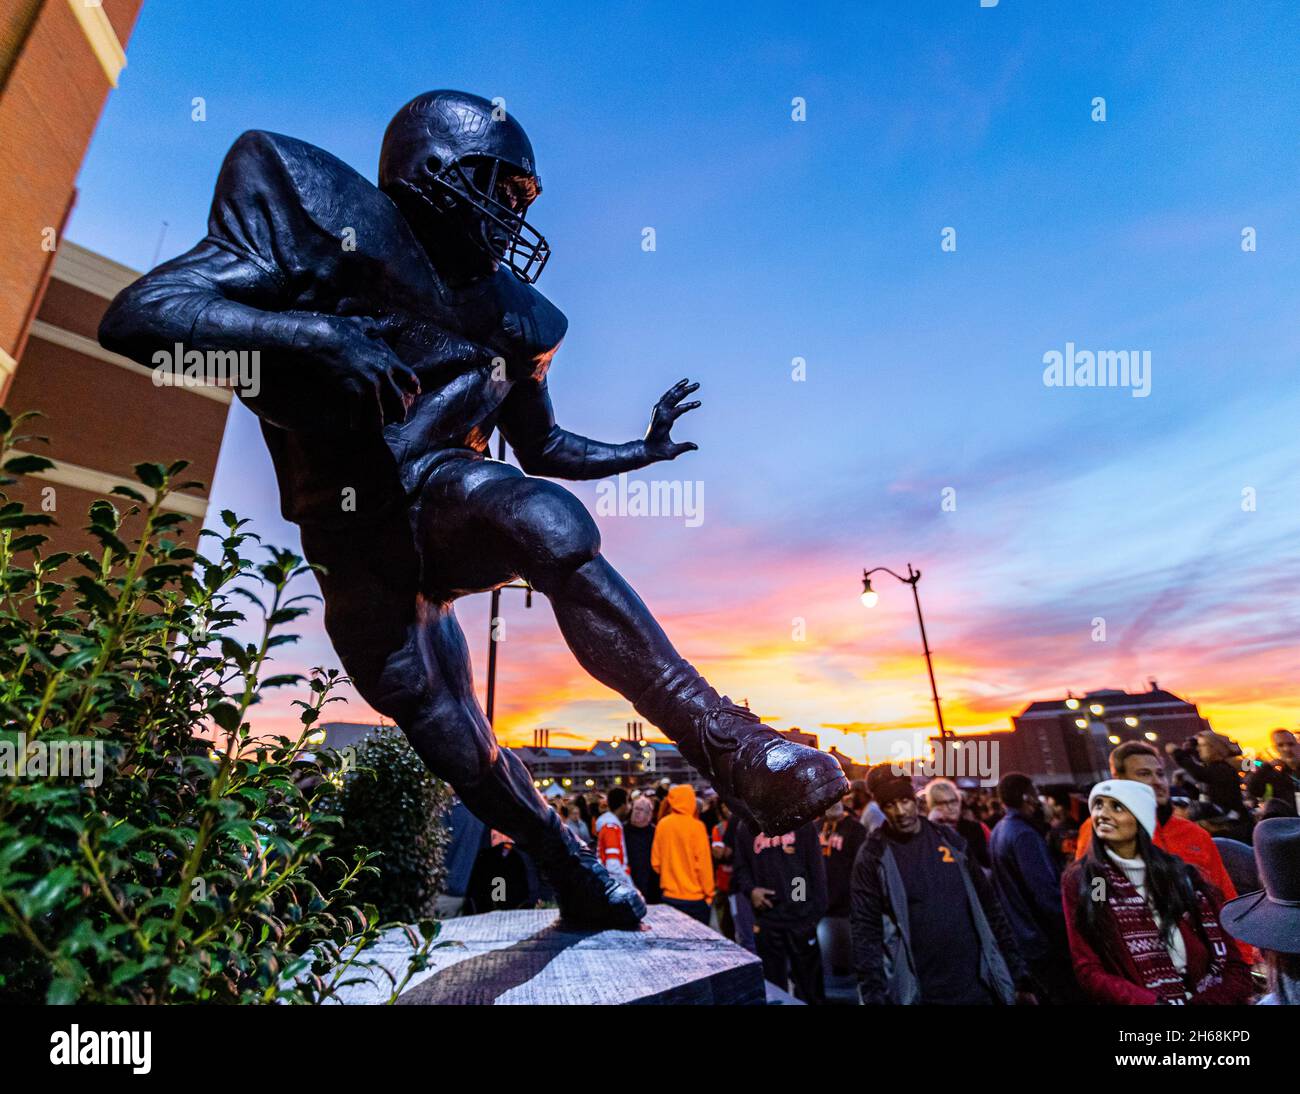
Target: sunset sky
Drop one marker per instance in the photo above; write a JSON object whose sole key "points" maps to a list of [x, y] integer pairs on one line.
{"points": [[1174, 517]]}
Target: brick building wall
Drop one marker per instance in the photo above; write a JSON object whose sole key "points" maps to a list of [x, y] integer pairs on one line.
{"points": [[58, 61], [1069, 741], [103, 413]]}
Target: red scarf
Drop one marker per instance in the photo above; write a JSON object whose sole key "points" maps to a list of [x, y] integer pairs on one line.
{"points": [[1136, 924]]}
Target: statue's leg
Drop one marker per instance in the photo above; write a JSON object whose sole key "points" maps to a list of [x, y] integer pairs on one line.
{"points": [[484, 518], [407, 657]]}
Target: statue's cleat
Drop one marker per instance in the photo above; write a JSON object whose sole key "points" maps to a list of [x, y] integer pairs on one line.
{"points": [[777, 784], [590, 897]]}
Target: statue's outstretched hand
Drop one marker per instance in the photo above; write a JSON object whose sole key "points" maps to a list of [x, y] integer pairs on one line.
{"points": [[658, 439]]}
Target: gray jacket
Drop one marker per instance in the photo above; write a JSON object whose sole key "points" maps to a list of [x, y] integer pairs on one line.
{"points": [[882, 942]]}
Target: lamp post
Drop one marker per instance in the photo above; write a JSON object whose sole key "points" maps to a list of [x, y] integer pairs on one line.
{"points": [[869, 600], [494, 614]]}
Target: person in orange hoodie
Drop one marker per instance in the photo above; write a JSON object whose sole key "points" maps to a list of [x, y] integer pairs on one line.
{"points": [[682, 858], [1190, 842]]}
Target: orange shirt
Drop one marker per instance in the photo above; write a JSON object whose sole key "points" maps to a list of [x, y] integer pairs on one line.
{"points": [[680, 853]]}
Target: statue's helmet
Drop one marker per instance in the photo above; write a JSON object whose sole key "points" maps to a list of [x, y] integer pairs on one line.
{"points": [[466, 160]]}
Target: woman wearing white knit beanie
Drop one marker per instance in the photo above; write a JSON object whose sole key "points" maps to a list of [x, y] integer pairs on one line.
{"points": [[1144, 926], [1138, 798]]}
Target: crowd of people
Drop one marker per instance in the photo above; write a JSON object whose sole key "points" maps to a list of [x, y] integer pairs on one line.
{"points": [[1014, 894]]}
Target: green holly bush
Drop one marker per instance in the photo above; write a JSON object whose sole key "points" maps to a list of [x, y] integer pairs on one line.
{"points": [[152, 850], [389, 804]]}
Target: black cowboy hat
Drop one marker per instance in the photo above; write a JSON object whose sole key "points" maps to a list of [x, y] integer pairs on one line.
{"points": [[1270, 919]]}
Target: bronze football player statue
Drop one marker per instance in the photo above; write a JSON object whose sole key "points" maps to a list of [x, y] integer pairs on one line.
{"points": [[397, 328]]}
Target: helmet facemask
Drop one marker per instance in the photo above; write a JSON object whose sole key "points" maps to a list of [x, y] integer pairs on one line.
{"points": [[487, 199]]}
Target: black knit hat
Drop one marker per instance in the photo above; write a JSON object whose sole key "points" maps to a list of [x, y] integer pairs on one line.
{"points": [[887, 784]]}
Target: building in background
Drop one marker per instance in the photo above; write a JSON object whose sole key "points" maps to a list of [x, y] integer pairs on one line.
{"points": [[1069, 741], [102, 413], [797, 736], [631, 761], [341, 735], [58, 61], [617, 762], [853, 769]]}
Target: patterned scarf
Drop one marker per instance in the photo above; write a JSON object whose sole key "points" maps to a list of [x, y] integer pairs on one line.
{"points": [[1146, 948]]}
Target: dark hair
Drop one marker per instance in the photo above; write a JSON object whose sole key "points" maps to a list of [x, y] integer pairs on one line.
{"points": [[883, 779], [1013, 788], [1120, 756], [1171, 887], [1056, 792], [1276, 807], [616, 799]]}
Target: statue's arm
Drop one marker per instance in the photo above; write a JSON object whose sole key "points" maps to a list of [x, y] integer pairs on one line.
{"points": [[543, 448], [208, 298], [215, 298]]}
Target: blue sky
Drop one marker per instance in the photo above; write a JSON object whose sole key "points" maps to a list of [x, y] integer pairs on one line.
{"points": [[820, 239]]}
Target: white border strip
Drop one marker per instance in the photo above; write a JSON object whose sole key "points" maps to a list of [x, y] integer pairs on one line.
{"points": [[97, 482], [48, 332], [101, 36], [90, 271]]}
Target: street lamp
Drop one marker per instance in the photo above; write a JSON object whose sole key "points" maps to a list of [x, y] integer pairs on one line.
{"points": [[870, 598], [494, 614]]}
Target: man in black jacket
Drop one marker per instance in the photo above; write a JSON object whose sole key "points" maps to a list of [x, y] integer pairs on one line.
{"points": [[784, 880], [927, 926], [499, 880]]}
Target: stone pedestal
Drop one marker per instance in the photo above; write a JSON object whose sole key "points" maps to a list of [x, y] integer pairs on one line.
{"points": [[527, 957]]}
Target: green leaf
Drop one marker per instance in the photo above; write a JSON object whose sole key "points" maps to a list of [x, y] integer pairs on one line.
{"points": [[16, 849], [184, 978], [28, 465], [25, 520], [226, 715], [151, 474], [42, 897], [239, 830], [26, 543], [63, 992], [94, 593]]}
